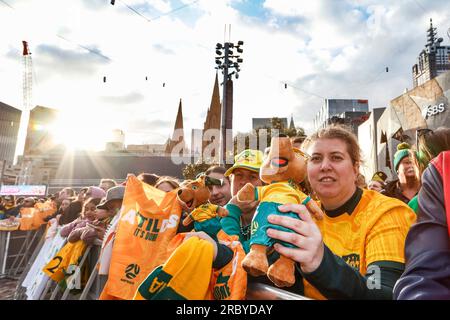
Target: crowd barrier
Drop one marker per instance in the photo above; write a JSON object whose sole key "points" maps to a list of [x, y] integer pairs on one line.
{"points": [[95, 283], [16, 250]]}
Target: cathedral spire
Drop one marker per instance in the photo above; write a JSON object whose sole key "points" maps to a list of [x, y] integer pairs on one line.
{"points": [[213, 116], [178, 133], [291, 124]]}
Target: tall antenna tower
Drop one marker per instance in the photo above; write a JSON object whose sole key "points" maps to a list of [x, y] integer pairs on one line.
{"points": [[27, 86]]}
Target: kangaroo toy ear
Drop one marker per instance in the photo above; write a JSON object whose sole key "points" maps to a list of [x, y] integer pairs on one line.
{"points": [[201, 178]]}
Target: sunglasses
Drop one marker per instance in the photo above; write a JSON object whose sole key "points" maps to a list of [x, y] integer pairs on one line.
{"points": [[210, 181]]}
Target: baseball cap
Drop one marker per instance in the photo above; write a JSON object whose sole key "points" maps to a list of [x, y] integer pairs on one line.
{"points": [[379, 176], [247, 159], [115, 193]]}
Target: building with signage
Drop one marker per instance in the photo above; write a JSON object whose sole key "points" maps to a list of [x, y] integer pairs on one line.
{"points": [[426, 106]]}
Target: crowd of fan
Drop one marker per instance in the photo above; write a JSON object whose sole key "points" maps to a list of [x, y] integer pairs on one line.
{"points": [[86, 213]]}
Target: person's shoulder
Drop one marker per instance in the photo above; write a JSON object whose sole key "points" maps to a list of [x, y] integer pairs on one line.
{"points": [[375, 204], [377, 199]]}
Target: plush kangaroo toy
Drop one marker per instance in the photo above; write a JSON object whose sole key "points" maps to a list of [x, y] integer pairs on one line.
{"points": [[283, 168], [195, 195]]}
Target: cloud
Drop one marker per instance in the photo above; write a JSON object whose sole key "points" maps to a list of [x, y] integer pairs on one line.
{"points": [[334, 49], [163, 49], [96, 4], [129, 99], [75, 62]]}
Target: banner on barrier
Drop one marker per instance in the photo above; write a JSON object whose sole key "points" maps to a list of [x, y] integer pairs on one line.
{"points": [[36, 279], [23, 190]]}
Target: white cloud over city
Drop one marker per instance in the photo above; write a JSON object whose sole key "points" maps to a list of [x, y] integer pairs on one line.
{"points": [[321, 48]]}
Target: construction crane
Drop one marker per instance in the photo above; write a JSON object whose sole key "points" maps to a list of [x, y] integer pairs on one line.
{"points": [[27, 84]]}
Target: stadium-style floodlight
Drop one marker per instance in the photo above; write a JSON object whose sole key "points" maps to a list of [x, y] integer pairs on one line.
{"points": [[223, 51], [227, 61]]}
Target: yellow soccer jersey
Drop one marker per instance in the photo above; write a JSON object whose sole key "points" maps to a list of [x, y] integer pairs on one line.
{"points": [[280, 192], [204, 212], [375, 231]]}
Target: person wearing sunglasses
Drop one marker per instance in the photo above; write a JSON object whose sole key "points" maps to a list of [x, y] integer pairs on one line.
{"points": [[220, 187]]}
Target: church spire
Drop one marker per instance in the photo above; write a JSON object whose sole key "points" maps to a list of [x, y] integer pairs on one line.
{"points": [[214, 111], [178, 133], [179, 121], [213, 116], [291, 124]]}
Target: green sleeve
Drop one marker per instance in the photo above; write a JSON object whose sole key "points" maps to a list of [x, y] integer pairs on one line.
{"points": [[231, 224], [335, 279]]}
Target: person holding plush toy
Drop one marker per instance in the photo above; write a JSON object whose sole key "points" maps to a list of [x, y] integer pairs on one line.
{"points": [[357, 250], [283, 169]]}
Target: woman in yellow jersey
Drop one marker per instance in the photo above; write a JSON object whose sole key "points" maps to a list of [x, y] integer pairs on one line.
{"points": [[357, 250]]}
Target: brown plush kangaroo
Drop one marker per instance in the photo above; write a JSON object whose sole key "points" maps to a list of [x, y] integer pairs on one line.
{"points": [[283, 169], [195, 195]]}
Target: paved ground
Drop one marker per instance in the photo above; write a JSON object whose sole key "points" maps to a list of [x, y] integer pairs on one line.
{"points": [[7, 288]]}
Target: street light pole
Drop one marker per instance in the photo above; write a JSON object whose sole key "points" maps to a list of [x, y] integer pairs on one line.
{"points": [[227, 99], [223, 135]]}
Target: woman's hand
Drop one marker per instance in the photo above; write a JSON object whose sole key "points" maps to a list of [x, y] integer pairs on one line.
{"points": [[203, 235], [306, 237]]}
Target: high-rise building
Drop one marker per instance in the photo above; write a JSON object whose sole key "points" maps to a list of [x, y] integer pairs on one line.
{"points": [[433, 60], [39, 139], [9, 129], [335, 108], [117, 141]]}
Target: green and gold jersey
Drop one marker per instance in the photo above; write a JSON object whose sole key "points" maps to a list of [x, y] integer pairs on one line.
{"points": [[204, 212], [375, 231], [280, 192]]}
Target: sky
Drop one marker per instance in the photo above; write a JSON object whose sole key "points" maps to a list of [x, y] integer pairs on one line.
{"points": [[320, 49]]}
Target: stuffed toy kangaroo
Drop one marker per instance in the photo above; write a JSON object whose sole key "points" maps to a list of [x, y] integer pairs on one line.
{"points": [[195, 195], [283, 168]]}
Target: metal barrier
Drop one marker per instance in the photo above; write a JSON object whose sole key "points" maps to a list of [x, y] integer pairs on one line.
{"points": [[93, 286], [95, 283], [16, 249], [259, 291], [20, 293]]}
